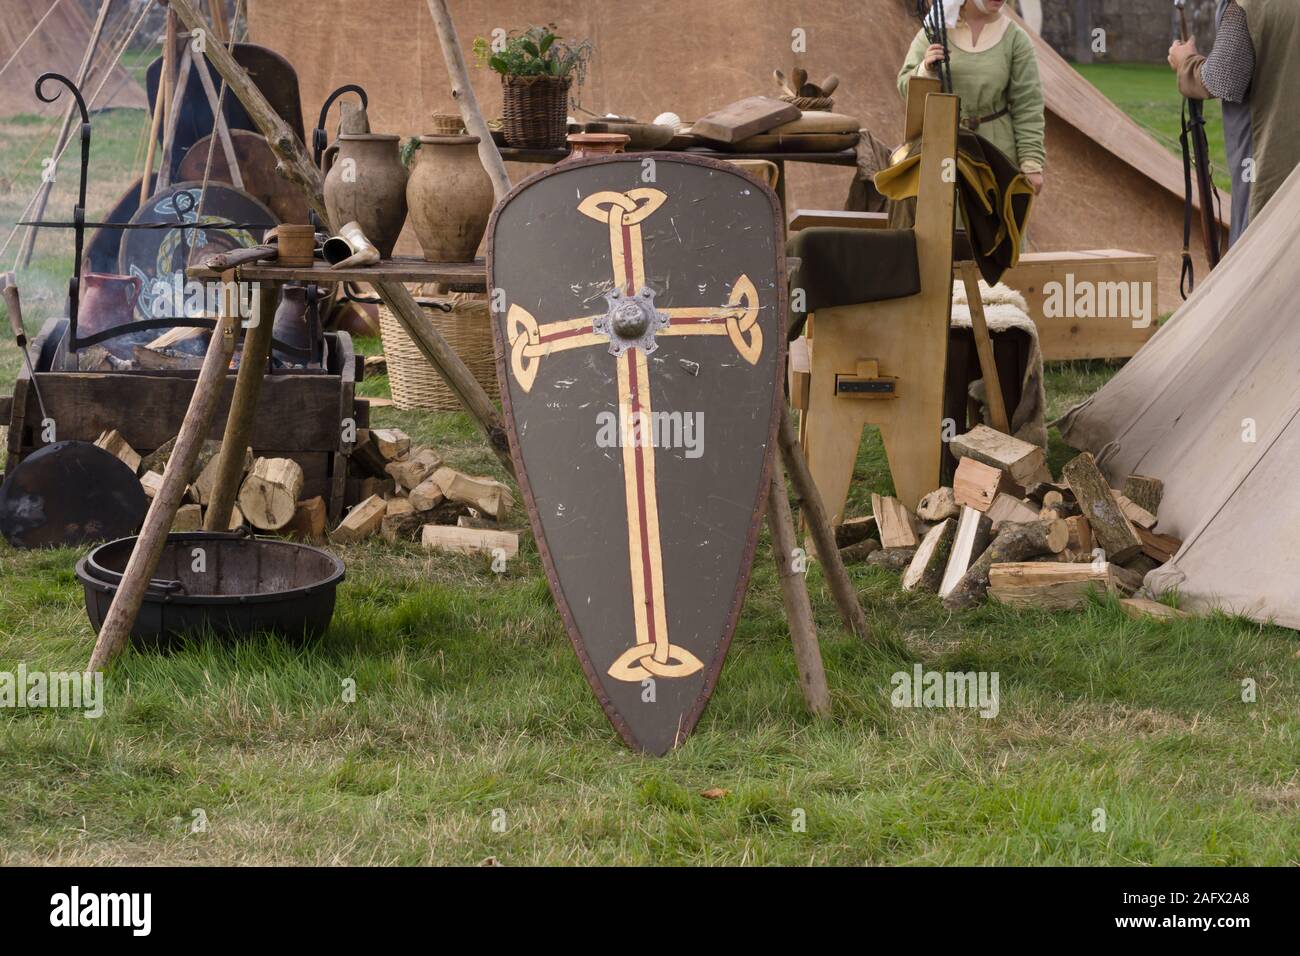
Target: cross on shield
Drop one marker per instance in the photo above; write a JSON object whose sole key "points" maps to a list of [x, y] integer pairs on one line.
{"points": [[638, 316]]}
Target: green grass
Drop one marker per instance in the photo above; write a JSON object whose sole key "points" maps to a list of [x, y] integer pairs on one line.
{"points": [[469, 701]]}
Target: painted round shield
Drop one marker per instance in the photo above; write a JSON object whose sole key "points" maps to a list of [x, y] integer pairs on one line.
{"points": [[70, 493], [158, 257], [257, 165], [639, 322]]}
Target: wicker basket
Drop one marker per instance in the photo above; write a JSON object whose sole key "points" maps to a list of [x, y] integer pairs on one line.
{"points": [[415, 383], [534, 114]]}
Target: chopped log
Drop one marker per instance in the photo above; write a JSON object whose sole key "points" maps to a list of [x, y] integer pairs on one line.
{"points": [[473, 521], [861, 551], [1024, 462], [1140, 564], [1111, 529], [897, 528], [393, 444], [376, 365], [428, 494], [441, 537], [486, 495], [1139, 516], [269, 495], [1142, 609], [854, 530], [1014, 543], [409, 472], [893, 559], [938, 505], [1051, 587], [206, 482], [366, 458], [96, 358], [151, 481], [176, 335], [974, 533], [1145, 492], [1127, 580], [401, 521], [163, 360], [927, 567], [236, 519], [157, 459], [188, 518], [1007, 508], [1159, 547], [1038, 492], [115, 444], [361, 522], [309, 521], [1080, 541], [383, 487], [976, 485]]}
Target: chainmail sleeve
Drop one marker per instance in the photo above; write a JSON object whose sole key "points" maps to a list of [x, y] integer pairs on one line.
{"points": [[1228, 69]]}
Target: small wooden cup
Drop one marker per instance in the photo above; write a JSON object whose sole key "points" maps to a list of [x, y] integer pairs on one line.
{"points": [[297, 243]]}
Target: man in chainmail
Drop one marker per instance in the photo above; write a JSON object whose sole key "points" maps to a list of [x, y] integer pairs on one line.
{"points": [[1254, 69]]}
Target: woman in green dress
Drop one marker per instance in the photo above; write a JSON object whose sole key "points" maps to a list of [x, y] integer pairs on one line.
{"points": [[995, 72]]}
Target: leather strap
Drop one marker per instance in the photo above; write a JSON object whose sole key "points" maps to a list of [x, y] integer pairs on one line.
{"points": [[973, 123]]}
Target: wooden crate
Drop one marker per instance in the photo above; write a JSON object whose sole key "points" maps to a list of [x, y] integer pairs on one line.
{"points": [[300, 413], [1070, 336]]}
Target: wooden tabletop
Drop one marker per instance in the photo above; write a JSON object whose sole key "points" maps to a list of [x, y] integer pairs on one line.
{"points": [[841, 157], [396, 269]]}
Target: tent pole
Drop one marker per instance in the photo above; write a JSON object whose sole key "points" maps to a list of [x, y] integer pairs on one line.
{"points": [[47, 179], [462, 91]]}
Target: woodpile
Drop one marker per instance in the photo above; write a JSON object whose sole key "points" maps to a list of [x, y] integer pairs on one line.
{"points": [[1007, 531]]}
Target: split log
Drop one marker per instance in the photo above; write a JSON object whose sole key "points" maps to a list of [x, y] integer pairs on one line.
{"points": [[974, 532], [1024, 462], [269, 495], [927, 567], [204, 485], [892, 559], [485, 495], [392, 444], [188, 518], [1037, 492], [938, 505], [157, 459], [1139, 516], [441, 537], [383, 487], [1111, 529], [1144, 492], [235, 522], [361, 522], [855, 530], [1014, 543], [1159, 547], [151, 481], [1140, 564], [861, 551], [113, 443], [976, 485], [401, 521], [309, 521], [1052, 587], [366, 457], [1006, 508], [410, 472], [163, 360], [428, 494], [1080, 535], [897, 527], [1141, 609]]}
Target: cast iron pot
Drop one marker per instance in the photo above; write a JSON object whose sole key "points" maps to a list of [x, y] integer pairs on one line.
{"points": [[243, 585]]}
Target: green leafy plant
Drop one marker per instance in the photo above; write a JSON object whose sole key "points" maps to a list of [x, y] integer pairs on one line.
{"points": [[537, 51]]}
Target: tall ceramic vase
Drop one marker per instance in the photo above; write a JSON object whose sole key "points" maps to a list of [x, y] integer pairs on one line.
{"points": [[366, 182], [450, 198]]}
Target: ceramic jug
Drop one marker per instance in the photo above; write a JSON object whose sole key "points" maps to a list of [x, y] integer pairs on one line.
{"points": [[365, 182], [450, 198], [108, 301]]}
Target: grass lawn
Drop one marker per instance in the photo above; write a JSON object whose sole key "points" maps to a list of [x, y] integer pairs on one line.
{"points": [[470, 709]]}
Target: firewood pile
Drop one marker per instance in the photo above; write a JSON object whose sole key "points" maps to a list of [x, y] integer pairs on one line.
{"points": [[1007, 530], [409, 494]]}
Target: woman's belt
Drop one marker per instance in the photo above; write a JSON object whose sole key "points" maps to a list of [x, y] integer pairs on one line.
{"points": [[973, 123]]}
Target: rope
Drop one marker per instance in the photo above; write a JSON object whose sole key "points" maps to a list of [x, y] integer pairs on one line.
{"points": [[39, 24]]}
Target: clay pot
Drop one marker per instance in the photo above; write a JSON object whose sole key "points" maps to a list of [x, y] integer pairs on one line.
{"points": [[290, 325], [586, 145], [107, 301], [450, 198], [365, 182]]}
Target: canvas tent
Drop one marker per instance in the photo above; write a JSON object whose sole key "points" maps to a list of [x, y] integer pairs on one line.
{"points": [[1109, 183], [58, 44], [1211, 405]]}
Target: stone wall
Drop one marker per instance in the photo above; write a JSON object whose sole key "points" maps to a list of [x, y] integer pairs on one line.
{"points": [[1135, 30]]}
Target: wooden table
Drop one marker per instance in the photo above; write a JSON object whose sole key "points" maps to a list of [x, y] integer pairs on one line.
{"points": [[843, 157], [470, 276]]}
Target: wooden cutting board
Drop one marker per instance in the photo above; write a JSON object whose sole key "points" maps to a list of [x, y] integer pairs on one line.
{"points": [[743, 118], [820, 121]]}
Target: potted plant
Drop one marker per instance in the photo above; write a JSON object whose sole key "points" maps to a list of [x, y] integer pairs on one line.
{"points": [[537, 69]]}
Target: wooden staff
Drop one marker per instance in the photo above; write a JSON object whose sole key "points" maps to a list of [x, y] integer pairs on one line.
{"points": [[162, 101], [176, 478], [799, 616], [970, 277]]}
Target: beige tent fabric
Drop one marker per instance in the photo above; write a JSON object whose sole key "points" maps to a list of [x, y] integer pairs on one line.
{"points": [[59, 45], [1108, 183], [1210, 406]]}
